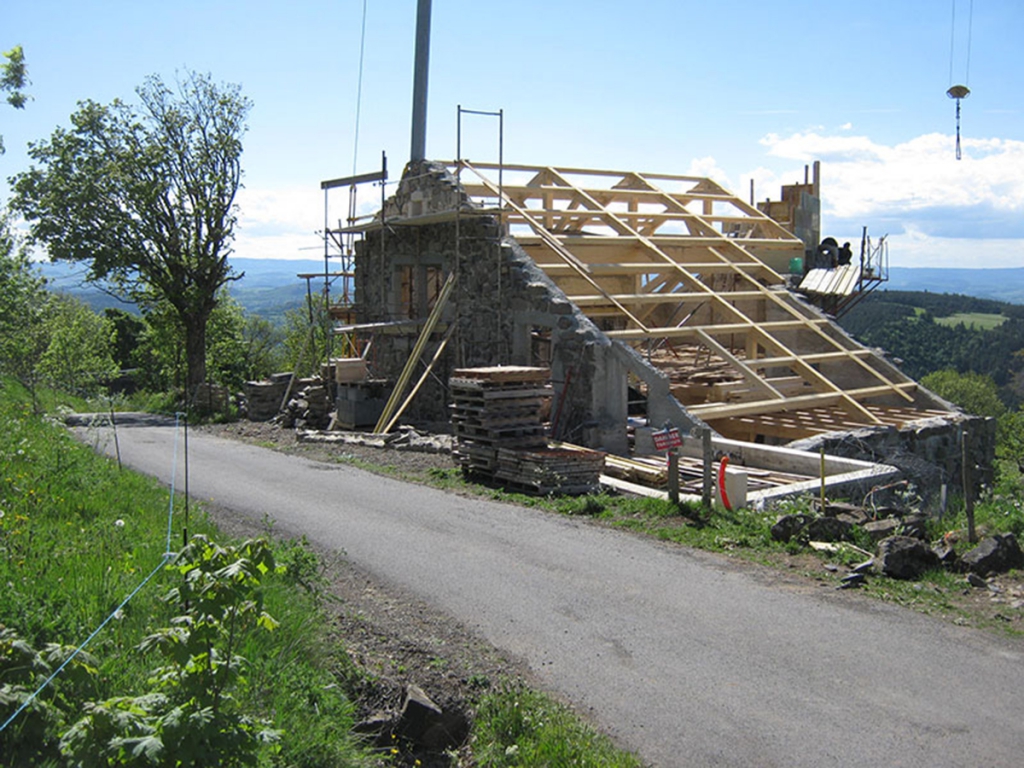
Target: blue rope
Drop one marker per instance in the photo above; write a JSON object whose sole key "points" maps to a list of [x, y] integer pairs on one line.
{"points": [[163, 561]]}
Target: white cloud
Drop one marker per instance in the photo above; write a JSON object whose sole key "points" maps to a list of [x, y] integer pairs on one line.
{"points": [[939, 211], [285, 222], [709, 167], [913, 248]]}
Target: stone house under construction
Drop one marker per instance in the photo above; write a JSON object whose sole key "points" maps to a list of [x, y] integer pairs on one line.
{"points": [[654, 299]]}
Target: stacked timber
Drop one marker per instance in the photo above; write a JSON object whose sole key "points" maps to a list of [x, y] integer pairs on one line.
{"points": [[494, 408], [499, 432]]}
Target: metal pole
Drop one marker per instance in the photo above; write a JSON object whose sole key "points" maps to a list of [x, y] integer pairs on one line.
{"points": [[184, 530], [972, 535], [419, 88], [502, 350], [709, 457]]}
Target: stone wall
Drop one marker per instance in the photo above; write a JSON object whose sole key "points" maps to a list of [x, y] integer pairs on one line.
{"points": [[929, 452], [506, 311]]}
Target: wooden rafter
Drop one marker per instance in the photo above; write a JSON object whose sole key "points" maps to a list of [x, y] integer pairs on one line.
{"points": [[687, 253]]}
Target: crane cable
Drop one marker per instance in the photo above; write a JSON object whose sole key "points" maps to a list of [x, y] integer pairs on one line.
{"points": [[355, 142], [959, 92]]}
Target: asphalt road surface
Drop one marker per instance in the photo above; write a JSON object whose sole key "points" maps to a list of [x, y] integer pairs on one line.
{"points": [[680, 656]]}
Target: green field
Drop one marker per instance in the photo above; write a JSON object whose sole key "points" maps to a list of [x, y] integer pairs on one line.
{"points": [[976, 320]]}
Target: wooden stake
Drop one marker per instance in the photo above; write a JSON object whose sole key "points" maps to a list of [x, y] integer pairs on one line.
{"points": [[972, 535], [709, 458], [673, 475]]}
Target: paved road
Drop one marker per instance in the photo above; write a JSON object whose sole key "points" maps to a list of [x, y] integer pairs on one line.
{"points": [[680, 656]]}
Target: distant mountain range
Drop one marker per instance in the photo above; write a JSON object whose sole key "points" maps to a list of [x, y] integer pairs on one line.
{"points": [[1004, 284], [272, 286]]}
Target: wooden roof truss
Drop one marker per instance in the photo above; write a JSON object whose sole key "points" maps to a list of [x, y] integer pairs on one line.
{"points": [[665, 262]]}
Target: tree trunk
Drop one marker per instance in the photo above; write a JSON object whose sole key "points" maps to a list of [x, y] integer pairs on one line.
{"points": [[195, 355]]}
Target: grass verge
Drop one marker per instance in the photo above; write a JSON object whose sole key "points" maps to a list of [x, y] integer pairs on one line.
{"points": [[78, 535]]}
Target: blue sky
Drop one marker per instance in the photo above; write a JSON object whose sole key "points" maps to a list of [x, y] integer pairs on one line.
{"points": [[737, 91]]}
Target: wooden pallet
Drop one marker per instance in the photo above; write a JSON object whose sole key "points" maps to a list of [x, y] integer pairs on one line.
{"points": [[550, 470], [503, 374]]}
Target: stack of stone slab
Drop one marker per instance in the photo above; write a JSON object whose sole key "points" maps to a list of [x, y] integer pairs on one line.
{"points": [[309, 405], [263, 398], [496, 419], [545, 471]]}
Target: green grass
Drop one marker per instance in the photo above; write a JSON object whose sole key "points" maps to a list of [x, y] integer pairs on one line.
{"points": [[977, 320], [519, 727], [77, 535]]}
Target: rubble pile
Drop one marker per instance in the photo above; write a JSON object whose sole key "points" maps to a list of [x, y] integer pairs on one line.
{"points": [[901, 549], [309, 406]]}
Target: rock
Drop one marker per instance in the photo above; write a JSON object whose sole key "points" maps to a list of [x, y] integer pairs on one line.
{"points": [[947, 555], [379, 727], [904, 557], [976, 581], [828, 529], [788, 527], [425, 724], [916, 525], [882, 529], [846, 511], [995, 554]]}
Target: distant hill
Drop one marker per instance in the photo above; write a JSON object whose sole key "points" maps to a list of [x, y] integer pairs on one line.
{"points": [[269, 287], [1005, 284]]}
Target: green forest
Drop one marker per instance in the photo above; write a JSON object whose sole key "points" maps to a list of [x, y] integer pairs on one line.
{"points": [[909, 326]]}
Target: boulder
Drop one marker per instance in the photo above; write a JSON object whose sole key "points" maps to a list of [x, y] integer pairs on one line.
{"points": [[904, 557], [976, 581], [846, 511], [828, 529], [788, 527], [882, 529], [916, 525], [947, 555], [994, 554], [427, 725]]}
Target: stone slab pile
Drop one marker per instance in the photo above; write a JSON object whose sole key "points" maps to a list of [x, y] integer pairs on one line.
{"points": [[263, 398], [545, 471], [499, 432], [309, 406]]}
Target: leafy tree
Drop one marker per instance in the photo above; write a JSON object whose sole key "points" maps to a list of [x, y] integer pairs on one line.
{"points": [[128, 330], [261, 341], [146, 196], [973, 392], [79, 346], [304, 343], [13, 77], [23, 299]]}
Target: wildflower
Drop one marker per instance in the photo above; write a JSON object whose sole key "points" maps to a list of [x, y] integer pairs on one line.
{"points": [[119, 523]]}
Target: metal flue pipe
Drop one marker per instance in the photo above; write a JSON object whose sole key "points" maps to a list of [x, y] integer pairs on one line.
{"points": [[419, 85]]}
